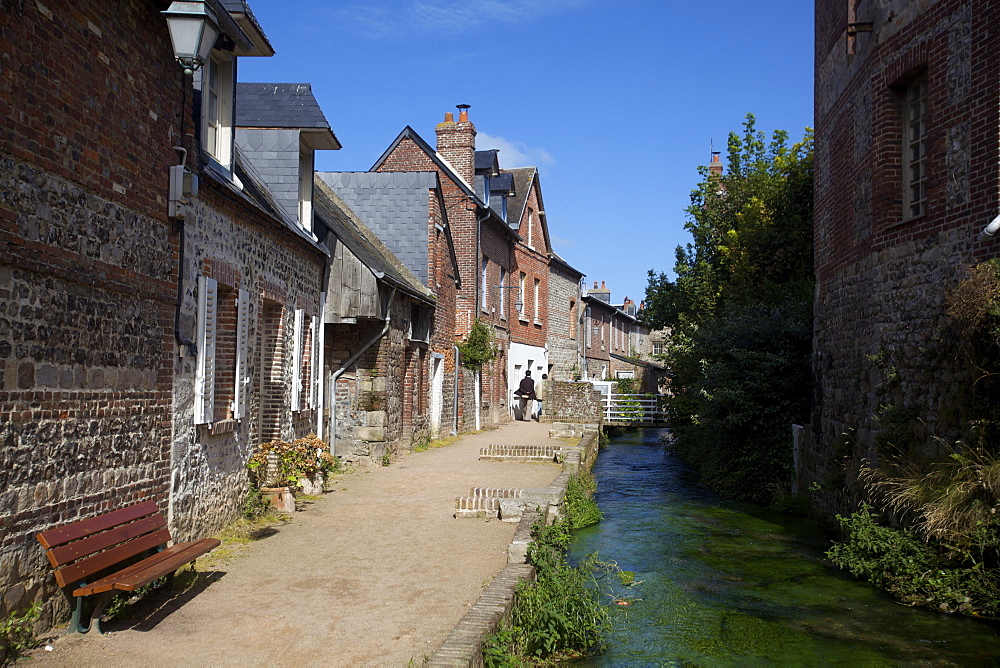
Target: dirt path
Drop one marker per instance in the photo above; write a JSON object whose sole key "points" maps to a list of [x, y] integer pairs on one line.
{"points": [[376, 574]]}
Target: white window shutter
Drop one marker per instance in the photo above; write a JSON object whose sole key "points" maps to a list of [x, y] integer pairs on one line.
{"points": [[204, 379], [314, 362], [242, 389], [297, 332]]}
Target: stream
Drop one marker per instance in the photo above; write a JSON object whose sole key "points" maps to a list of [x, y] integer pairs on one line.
{"points": [[720, 583]]}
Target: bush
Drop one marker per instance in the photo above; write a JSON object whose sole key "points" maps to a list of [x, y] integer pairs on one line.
{"points": [[747, 381], [581, 509], [558, 615], [897, 561], [17, 634]]}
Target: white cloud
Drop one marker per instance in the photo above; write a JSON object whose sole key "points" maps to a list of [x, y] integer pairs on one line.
{"points": [[514, 154], [447, 16]]}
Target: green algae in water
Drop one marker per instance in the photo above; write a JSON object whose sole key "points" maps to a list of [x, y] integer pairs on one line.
{"points": [[725, 584]]}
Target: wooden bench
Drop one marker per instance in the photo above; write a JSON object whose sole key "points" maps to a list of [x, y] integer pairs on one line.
{"points": [[98, 556]]}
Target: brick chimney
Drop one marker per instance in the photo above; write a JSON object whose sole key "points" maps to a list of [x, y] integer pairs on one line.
{"points": [[715, 167], [456, 143]]}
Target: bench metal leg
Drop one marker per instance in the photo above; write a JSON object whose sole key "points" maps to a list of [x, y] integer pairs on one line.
{"points": [[94, 623]]}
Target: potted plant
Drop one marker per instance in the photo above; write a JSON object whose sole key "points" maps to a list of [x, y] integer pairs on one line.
{"points": [[280, 468]]}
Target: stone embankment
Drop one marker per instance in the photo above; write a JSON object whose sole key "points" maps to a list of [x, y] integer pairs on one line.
{"points": [[527, 507]]}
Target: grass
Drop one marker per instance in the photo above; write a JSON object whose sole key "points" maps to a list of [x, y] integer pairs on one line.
{"points": [[423, 445]]}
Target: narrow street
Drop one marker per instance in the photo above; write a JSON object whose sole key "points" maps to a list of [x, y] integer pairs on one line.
{"points": [[377, 573]]}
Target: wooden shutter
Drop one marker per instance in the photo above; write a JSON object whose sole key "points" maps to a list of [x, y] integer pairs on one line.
{"points": [[297, 335], [242, 388], [204, 379], [314, 362]]}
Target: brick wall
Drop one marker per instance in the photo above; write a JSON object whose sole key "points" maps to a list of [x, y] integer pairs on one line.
{"points": [[882, 279], [90, 98]]}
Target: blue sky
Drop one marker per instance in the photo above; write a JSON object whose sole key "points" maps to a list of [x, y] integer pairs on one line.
{"points": [[616, 102]]}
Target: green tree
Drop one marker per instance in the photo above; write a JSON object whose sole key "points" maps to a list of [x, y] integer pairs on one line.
{"points": [[739, 310]]}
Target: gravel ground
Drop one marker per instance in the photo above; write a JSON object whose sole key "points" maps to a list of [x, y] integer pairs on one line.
{"points": [[375, 574]]}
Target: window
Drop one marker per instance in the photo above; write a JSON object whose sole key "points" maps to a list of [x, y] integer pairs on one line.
{"points": [[572, 318], [420, 323], [305, 352], [538, 312], [503, 293], [217, 109], [222, 374], [915, 149], [484, 298], [589, 327], [306, 189], [657, 347], [531, 224], [520, 293]]}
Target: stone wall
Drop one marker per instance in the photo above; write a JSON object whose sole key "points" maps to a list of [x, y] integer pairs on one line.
{"points": [[564, 323], [577, 403], [229, 239], [882, 338]]}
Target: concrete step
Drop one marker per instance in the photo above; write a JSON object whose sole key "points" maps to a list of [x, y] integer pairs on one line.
{"points": [[519, 453]]}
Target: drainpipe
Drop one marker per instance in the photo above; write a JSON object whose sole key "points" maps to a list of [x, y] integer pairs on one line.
{"points": [[354, 358], [990, 229], [321, 362], [454, 428], [180, 277]]}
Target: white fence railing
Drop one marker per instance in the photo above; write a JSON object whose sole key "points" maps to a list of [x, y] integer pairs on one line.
{"points": [[634, 408]]}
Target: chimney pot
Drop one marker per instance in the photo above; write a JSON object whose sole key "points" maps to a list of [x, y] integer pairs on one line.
{"points": [[603, 286], [463, 113], [449, 117], [595, 285]]}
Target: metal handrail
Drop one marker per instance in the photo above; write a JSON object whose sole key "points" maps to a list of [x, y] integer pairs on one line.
{"points": [[633, 408]]}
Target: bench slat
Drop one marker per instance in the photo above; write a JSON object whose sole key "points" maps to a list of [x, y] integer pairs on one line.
{"points": [[77, 530], [70, 552], [78, 570], [151, 568]]}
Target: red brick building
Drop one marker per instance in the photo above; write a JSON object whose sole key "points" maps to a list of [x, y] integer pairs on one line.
{"points": [[529, 327], [483, 250], [906, 175]]}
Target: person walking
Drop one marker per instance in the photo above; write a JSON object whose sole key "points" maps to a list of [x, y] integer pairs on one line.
{"points": [[541, 389], [525, 393]]}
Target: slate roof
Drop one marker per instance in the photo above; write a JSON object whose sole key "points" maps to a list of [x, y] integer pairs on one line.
{"points": [[515, 205], [333, 212], [269, 105], [563, 263], [486, 159], [241, 10], [254, 191], [437, 159], [394, 206]]}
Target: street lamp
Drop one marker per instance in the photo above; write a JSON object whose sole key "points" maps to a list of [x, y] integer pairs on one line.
{"points": [[194, 27], [518, 305]]}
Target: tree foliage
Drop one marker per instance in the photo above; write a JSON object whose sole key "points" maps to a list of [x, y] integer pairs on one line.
{"points": [[739, 311], [479, 347]]}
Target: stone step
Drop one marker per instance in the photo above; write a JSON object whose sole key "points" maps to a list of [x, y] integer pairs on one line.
{"points": [[497, 492], [477, 506], [519, 453]]}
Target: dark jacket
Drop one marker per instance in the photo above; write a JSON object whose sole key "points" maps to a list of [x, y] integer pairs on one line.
{"points": [[526, 388]]}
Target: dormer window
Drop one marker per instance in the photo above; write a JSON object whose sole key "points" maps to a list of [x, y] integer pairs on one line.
{"points": [[217, 108]]}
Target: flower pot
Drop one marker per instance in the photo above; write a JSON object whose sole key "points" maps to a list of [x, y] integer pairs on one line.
{"points": [[280, 498], [312, 484]]}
